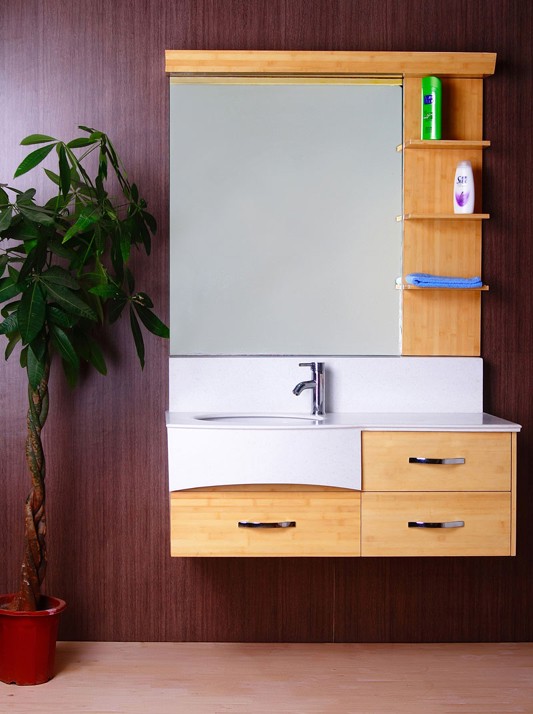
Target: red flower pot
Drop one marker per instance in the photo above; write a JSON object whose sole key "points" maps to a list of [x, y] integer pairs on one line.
{"points": [[28, 642]]}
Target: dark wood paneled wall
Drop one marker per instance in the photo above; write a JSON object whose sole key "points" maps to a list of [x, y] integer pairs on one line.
{"points": [[101, 63]]}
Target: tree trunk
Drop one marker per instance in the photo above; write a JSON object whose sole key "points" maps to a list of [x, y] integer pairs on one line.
{"points": [[34, 563]]}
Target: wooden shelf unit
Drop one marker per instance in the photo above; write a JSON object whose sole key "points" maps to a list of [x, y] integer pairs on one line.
{"points": [[436, 240]]}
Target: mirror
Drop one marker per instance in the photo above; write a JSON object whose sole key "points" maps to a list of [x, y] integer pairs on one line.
{"points": [[283, 208]]}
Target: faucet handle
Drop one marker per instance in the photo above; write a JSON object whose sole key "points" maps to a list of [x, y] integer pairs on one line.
{"points": [[315, 366]]}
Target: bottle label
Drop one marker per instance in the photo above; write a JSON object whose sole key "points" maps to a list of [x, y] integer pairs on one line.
{"points": [[428, 98], [461, 198]]}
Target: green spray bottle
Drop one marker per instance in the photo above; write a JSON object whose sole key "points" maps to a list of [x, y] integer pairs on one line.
{"points": [[431, 108]]}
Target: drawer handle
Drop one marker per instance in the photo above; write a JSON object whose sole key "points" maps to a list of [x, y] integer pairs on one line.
{"points": [[423, 460], [260, 524], [444, 524]]}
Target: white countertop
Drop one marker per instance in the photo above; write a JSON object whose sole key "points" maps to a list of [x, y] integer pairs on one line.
{"points": [[367, 421]]}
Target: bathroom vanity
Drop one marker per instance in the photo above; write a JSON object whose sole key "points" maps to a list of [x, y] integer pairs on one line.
{"points": [[366, 483], [424, 493], [404, 462]]}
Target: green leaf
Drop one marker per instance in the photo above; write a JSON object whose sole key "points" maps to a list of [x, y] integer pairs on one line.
{"points": [[38, 345], [71, 372], [10, 324], [35, 260], [64, 170], [152, 323], [31, 312], [35, 366], [97, 358], [105, 290], [9, 308], [57, 204], [143, 299], [137, 337], [8, 289], [5, 218], [125, 244], [36, 139], [24, 357], [117, 262], [35, 214], [34, 159], [82, 141], [115, 309], [59, 276], [4, 198], [13, 341], [26, 196], [89, 350], [60, 317], [144, 233], [61, 250], [3, 262], [53, 177], [150, 221], [88, 216], [69, 301], [64, 346], [25, 231]]}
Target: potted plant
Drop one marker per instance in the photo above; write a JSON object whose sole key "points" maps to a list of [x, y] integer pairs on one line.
{"points": [[63, 273]]}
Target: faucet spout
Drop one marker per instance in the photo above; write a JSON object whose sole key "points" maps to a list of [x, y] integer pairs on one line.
{"points": [[299, 388], [317, 384]]}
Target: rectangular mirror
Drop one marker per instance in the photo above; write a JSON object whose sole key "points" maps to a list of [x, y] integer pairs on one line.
{"points": [[283, 208]]}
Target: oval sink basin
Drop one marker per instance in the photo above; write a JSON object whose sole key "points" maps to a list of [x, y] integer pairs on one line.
{"points": [[260, 419]]}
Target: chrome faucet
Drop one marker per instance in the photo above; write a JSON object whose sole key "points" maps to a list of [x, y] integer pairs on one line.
{"points": [[317, 384]]}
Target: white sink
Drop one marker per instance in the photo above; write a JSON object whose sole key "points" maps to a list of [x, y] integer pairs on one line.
{"points": [[219, 449]]}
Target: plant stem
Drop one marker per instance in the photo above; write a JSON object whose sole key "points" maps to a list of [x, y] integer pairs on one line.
{"points": [[33, 568]]}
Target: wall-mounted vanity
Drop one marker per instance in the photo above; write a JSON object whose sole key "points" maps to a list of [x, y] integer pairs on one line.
{"points": [[278, 248]]}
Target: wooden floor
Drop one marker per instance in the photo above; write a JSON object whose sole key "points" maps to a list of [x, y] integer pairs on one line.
{"points": [[205, 678]]}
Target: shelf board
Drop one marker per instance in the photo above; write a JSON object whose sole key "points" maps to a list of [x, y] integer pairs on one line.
{"points": [[443, 144], [405, 286], [443, 217]]}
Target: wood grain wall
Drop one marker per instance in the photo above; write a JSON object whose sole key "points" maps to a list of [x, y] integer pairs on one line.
{"points": [[100, 63]]}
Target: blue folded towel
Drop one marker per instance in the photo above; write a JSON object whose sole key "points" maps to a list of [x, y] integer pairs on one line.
{"points": [[426, 280]]}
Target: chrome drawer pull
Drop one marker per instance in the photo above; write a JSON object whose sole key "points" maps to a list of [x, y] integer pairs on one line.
{"points": [[422, 460], [259, 524], [444, 524]]}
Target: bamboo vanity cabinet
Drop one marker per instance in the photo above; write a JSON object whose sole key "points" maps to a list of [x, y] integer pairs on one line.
{"points": [[463, 504], [425, 490]]}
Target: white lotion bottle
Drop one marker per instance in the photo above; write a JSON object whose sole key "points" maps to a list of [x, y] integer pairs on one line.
{"points": [[463, 188]]}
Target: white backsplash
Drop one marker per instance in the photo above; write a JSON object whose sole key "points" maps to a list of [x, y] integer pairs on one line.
{"points": [[353, 384]]}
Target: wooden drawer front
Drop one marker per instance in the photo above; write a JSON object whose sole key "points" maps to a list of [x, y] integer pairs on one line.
{"points": [[385, 518], [206, 523], [386, 467]]}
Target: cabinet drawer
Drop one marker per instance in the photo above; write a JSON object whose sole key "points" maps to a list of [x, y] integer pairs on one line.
{"points": [[486, 456], [385, 519], [206, 523]]}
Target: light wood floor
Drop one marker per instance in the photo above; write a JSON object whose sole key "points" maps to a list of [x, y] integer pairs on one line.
{"points": [[206, 678]]}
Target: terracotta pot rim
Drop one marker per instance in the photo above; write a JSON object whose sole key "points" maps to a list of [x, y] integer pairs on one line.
{"points": [[54, 606]]}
